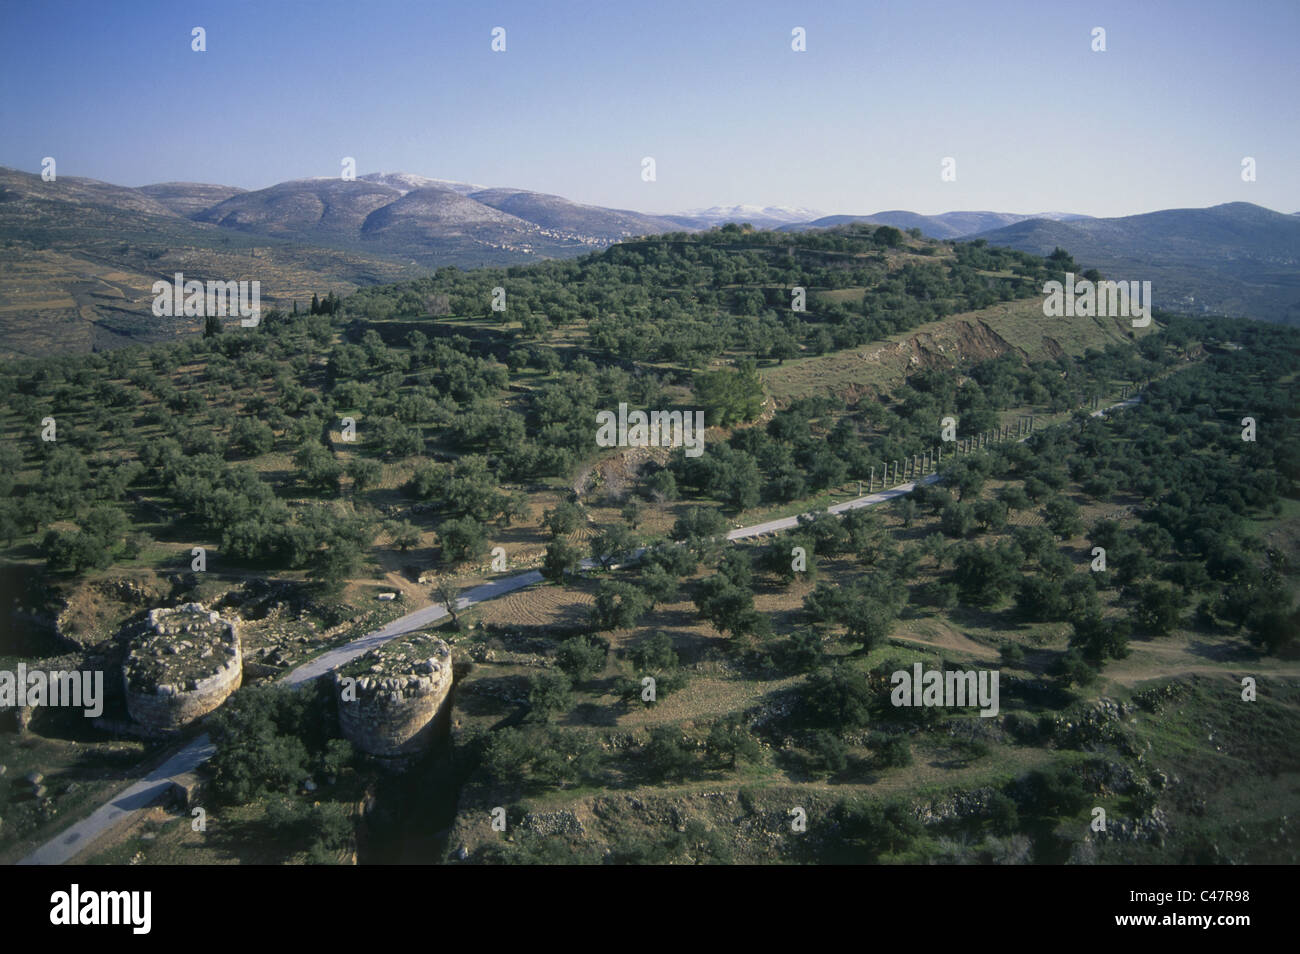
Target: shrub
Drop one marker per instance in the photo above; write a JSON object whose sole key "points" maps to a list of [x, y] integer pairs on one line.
{"points": [[892, 751], [828, 753], [581, 657], [666, 753], [549, 693]]}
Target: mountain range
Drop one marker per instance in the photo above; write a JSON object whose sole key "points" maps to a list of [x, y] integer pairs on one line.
{"points": [[434, 221], [1235, 259], [948, 225], [81, 255]]}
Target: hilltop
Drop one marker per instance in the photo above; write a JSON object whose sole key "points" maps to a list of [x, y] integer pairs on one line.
{"points": [[82, 255]]}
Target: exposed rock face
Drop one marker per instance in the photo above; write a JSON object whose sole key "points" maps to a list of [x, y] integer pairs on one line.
{"points": [[399, 700], [181, 664]]}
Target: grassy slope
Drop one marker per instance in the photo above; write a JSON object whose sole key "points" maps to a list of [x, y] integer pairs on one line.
{"points": [[971, 337]]}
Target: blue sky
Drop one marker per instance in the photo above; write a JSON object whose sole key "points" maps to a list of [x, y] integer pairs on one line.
{"points": [[858, 123]]}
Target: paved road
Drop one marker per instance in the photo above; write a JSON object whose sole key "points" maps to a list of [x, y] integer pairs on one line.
{"points": [[870, 500], [152, 787], [123, 806], [1129, 403], [116, 811], [409, 623]]}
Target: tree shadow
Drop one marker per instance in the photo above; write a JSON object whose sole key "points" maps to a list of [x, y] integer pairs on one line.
{"points": [[592, 714], [1223, 652], [492, 695]]}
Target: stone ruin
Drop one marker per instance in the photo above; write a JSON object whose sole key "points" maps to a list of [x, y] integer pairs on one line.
{"points": [[400, 700], [180, 664]]}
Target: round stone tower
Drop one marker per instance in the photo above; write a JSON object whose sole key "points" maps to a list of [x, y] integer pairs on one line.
{"points": [[180, 664], [394, 700]]}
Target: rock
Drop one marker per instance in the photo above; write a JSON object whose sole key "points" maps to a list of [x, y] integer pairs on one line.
{"points": [[309, 786], [33, 778], [38, 791], [462, 853]]}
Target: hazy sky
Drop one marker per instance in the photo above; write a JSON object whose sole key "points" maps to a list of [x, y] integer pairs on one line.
{"points": [[858, 123]]}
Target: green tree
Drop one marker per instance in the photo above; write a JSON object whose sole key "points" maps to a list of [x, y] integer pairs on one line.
{"points": [[654, 654], [251, 437], [702, 530], [870, 829], [1159, 608], [264, 736], [618, 605], [867, 619], [365, 473], [1071, 668], [462, 538], [612, 544], [729, 742], [667, 755], [730, 396], [838, 697], [404, 535], [991, 514], [957, 520], [334, 565], [1099, 639], [1014, 497], [1063, 517], [727, 605], [581, 657], [549, 693], [891, 751], [562, 561], [829, 753], [564, 518], [447, 595]]}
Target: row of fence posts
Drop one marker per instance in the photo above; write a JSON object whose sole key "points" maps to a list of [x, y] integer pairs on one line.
{"points": [[926, 464], [921, 465], [1125, 391]]}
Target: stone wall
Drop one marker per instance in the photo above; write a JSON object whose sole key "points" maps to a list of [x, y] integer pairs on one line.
{"points": [[163, 704], [397, 715]]}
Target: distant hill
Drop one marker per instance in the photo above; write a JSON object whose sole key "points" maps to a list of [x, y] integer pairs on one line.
{"points": [[759, 216], [948, 225], [433, 222], [189, 198], [80, 258], [561, 215], [303, 208], [1236, 259], [81, 255], [27, 199], [406, 182]]}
